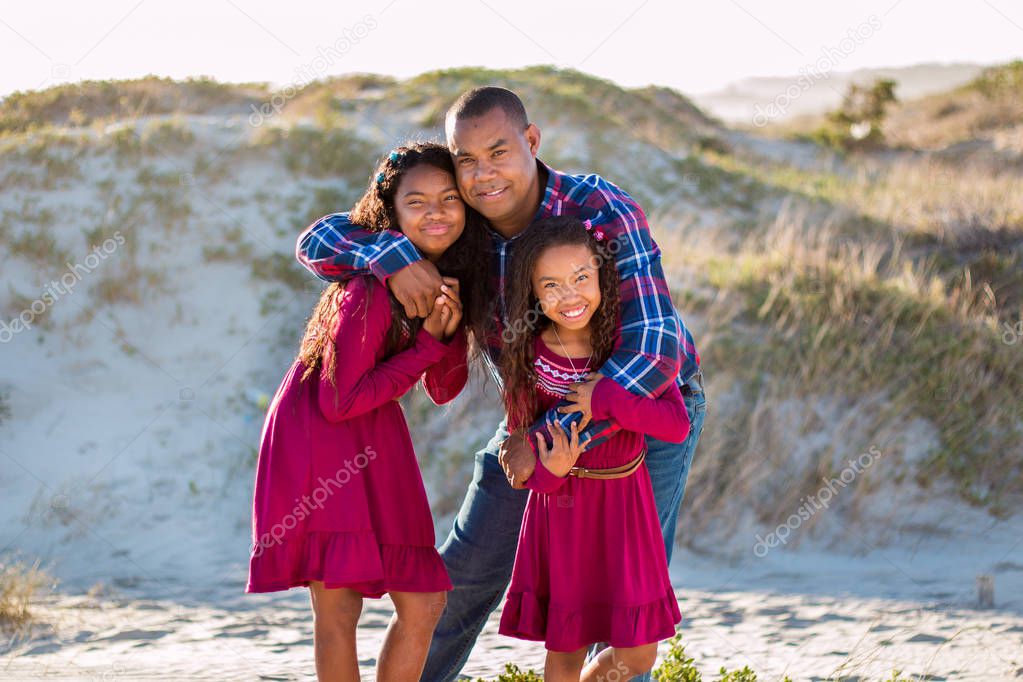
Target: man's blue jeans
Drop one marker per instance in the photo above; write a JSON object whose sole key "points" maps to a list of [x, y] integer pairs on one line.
{"points": [[480, 549]]}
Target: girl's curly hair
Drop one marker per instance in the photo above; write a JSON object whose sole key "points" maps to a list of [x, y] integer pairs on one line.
{"points": [[467, 260], [525, 319]]}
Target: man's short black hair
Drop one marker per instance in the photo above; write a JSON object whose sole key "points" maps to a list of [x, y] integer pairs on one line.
{"points": [[480, 101]]}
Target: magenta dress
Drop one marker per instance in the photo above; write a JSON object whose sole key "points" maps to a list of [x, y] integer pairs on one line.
{"points": [[590, 565], [339, 496]]}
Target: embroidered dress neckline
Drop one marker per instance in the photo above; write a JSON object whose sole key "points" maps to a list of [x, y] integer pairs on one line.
{"points": [[580, 361]]}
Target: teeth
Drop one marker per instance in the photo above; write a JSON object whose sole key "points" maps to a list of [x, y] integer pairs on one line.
{"points": [[574, 313]]}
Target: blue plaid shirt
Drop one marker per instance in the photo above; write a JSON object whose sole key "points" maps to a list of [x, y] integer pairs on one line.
{"points": [[656, 348]]}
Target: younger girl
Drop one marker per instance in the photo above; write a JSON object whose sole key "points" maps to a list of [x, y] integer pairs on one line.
{"points": [[339, 504], [590, 565]]}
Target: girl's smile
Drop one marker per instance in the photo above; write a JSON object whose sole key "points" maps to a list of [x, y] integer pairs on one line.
{"points": [[567, 283], [573, 313], [429, 210]]}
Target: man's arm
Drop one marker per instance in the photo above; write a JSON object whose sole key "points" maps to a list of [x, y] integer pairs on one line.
{"points": [[335, 250], [648, 359]]}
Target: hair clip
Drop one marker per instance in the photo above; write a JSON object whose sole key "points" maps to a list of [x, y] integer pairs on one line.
{"points": [[598, 234], [394, 156], [380, 178]]}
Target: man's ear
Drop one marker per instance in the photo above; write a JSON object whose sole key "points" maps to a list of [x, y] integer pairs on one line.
{"points": [[533, 138]]}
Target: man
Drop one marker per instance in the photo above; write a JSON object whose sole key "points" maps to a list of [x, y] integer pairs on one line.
{"points": [[494, 148]]}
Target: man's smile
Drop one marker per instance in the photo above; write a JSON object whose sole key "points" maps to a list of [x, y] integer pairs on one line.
{"points": [[491, 194]]}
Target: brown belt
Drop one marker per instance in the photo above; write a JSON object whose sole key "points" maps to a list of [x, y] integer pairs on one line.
{"points": [[615, 472]]}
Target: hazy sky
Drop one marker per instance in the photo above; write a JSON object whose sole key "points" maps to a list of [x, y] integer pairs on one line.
{"points": [[691, 46]]}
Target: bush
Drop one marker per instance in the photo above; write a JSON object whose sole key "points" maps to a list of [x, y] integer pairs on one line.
{"points": [[857, 124], [18, 585], [677, 667], [512, 673], [1000, 81]]}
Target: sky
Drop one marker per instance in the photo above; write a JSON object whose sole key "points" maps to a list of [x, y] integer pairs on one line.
{"points": [[690, 46]]}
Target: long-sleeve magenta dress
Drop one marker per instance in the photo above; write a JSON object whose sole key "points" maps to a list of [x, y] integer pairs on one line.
{"points": [[590, 565], [339, 496]]}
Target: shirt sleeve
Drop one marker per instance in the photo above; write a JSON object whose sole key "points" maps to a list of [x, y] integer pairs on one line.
{"points": [[648, 359], [335, 250], [360, 383], [664, 418], [445, 379]]}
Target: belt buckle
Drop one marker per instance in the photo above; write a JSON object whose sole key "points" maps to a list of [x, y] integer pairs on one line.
{"points": [[577, 471]]}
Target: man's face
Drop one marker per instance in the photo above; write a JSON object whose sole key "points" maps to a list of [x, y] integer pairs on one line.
{"points": [[495, 164]]}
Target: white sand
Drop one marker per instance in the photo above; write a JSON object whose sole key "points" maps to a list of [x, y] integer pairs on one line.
{"points": [[811, 615]]}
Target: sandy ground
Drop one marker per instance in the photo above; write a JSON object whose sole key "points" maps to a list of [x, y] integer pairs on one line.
{"points": [[811, 615]]}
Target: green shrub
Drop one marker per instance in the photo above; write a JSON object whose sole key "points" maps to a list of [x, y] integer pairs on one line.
{"points": [[512, 673], [676, 666]]}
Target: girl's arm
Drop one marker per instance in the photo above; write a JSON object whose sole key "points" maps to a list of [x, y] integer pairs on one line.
{"points": [[446, 379], [543, 481], [360, 383], [664, 418]]}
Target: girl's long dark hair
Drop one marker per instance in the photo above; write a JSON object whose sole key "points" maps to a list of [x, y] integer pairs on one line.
{"points": [[468, 260], [517, 372]]}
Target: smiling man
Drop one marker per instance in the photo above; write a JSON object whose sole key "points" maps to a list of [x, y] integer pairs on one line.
{"points": [[495, 149]]}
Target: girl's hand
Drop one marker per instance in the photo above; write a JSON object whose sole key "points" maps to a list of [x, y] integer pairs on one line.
{"points": [[436, 322], [565, 451], [581, 395], [451, 292]]}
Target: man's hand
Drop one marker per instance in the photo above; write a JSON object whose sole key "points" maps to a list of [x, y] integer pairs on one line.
{"points": [[416, 287], [581, 397], [517, 459]]}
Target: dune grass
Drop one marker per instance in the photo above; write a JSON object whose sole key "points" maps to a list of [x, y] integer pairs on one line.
{"points": [[19, 585], [828, 313], [990, 102], [86, 102], [318, 152], [907, 289]]}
